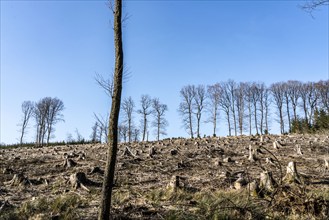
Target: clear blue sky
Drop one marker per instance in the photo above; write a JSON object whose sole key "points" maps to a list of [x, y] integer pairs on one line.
{"points": [[54, 48]]}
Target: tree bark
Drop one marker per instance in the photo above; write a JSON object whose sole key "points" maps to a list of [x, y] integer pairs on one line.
{"points": [[105, 208]]}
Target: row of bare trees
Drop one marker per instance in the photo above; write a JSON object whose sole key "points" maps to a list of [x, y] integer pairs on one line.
{"points": [[149, 107], [152, 113], [246, 105], [46, 113]]}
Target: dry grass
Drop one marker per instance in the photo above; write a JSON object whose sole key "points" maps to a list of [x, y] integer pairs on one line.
{"points": [[206, 190]]}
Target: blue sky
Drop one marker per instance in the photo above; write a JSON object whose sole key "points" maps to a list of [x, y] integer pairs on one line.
{"points": [[54, 48]]}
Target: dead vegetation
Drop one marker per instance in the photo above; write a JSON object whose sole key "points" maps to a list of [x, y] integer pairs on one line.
{"points": [[260, 177]]}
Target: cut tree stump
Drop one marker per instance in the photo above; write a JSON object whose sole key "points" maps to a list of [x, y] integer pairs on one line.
{"points": [[7, 171], [252, 154], [240, 182], [269, 160], [227, 160], [276, 145], [152, 152], [299, 150], [292, 175], [79, 180], [175, 183], [19, 180], [96, 170], [69, 163], [253, 189], [127, 152], [266, 181]]}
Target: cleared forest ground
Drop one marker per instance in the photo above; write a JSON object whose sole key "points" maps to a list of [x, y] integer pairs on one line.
{"points": [[208, 178]]}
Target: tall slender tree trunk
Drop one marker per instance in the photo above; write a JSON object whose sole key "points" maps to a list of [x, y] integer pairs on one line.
{"points": [[229, 123], [198, 125], [144, 128], [249, 110], [190, 122], [255, 117], [129, 130], [215, 122], [266, 118], [261, 119], [105, 205], [234, 120], [158, 127], [288, 114], [281, 120]]}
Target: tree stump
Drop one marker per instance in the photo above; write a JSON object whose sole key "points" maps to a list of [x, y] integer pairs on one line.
{"points": [[299, 150], [127, 152], [292, 175], [96, 170], [252, 154], [19, 180], [253, 189], [78, 180], [152, 152], [276, 145], [227, 160], [240, 182], [261, 139], [69, 163], [266, 181], [269, 160], [175, 183], [7, 171]]}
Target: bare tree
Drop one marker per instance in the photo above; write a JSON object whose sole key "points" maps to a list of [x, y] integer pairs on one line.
{"points": [[123, 132], [135, 134], [225, 104], [248, 99], [231, 87], [255, 97], [312, 5], [267, 103], [94, 133], [277, 90], [54, 115], [145, 111], [312, 99], [159, 122], [199, 105], [240, 105], [286, 92], [27, 109], [40, 115], [294, 88], [79, 138], [103, 127], [322, 88], [187, 94], [214, 94], [105, 204], [128, 106], [303, 95], [262, 105], [106, 84], [47, 112]]}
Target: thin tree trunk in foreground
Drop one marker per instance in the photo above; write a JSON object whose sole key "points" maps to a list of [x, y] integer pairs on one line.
{"points": [[105, 208]]}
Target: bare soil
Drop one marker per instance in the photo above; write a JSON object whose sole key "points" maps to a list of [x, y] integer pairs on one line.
{"points": [[171, 167]]}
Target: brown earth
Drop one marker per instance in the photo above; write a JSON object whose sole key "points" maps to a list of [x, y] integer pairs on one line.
{"points": [[171, 178]]}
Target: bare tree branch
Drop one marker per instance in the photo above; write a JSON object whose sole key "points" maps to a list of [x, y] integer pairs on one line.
{"points": [[311, 6]]}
